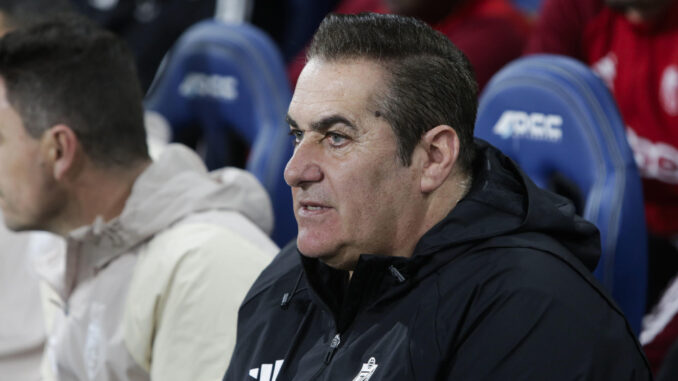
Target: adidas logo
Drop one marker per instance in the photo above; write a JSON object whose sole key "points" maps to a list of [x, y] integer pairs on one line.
{"points": [[267, 372]]}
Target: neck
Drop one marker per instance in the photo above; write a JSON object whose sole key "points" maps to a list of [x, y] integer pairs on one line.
{"points": [[99, 192], [446, 199], [439, 204]]}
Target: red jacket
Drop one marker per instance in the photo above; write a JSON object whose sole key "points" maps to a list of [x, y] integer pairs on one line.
{"points": [[639, 62], [490, 32]]}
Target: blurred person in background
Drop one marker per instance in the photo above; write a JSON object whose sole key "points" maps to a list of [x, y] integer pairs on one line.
{"points": [[633, 46], [22, 333], [491, 33], [157, 255], [150, 27], [21, 13]]}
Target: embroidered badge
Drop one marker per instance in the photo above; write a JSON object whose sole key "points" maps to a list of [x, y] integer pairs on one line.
{"points": [[367, 370], [95, 342]]}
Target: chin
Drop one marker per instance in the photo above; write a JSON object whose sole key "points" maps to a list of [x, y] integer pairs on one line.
{"points": [[328, 253], [311, 246], [314, 246]]}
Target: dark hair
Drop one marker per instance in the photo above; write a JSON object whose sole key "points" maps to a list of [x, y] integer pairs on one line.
{"points": [[431, 81], [22, 13], [70, 71]]}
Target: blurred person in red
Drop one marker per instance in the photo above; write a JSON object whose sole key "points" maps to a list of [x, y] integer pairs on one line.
{"points": [[489, 32], [633, 46]]}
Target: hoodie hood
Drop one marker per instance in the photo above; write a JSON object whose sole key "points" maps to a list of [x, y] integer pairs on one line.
{"points": [[504, 202], [173, 187]]}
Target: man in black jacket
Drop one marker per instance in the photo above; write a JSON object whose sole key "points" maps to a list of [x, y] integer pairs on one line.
{"points": [[421, 254]]}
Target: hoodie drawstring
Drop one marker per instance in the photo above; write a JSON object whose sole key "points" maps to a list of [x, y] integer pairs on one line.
{"points": [[287, 297], [397, 274]]}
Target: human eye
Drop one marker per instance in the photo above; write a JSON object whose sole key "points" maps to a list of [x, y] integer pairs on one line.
{"points": [[297, 135], [336, 140]]}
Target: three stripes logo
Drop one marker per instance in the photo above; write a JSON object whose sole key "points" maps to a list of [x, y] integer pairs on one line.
{"points": [[267, 372]]}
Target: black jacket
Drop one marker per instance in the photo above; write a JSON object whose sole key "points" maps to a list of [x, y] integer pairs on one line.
{"points": [[500, 289]]}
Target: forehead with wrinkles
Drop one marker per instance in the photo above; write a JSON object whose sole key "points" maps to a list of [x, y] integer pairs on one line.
{"points": [[348, 87]]}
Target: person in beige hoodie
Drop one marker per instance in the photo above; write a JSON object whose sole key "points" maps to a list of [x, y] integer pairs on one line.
{"points": [[22, 335], [154, 257]]}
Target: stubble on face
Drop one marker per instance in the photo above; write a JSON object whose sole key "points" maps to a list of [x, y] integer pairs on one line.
{"points": [[355, 197]]}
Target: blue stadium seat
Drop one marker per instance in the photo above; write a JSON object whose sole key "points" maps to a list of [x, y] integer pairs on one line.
{"points": [[559, 122], [228, 81]]}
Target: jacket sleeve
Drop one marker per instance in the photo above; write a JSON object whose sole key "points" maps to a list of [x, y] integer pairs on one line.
{"points": [[546, 325], [192, 330]]}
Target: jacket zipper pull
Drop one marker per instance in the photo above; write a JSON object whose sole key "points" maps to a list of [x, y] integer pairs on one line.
{"points": [[399, 276], [333, 348]]}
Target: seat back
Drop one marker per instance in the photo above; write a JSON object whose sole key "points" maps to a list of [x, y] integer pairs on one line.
{"points": [[228, 82], [559, 122]]}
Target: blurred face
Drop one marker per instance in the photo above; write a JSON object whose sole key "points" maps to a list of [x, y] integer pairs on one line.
{"points": [[351, 193], [640, 10], [27, 191]]}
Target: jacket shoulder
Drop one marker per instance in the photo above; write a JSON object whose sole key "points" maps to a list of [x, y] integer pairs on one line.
{"points": [[522, 303]]}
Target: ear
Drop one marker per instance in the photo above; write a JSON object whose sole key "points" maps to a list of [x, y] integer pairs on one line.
{"points": [[60, 146], [441, 149]]}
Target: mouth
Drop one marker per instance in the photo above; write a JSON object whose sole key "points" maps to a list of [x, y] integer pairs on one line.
{"points": [[308, 208]]}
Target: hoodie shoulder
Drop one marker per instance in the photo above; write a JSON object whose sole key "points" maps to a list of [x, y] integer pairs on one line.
{"points": [[177, 186], [533, 307]]}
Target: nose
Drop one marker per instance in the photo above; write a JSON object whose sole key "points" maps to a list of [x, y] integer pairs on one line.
{"points": [[302, 168]]}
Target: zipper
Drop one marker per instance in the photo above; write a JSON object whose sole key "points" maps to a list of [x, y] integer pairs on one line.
{"points": [[334, 345], [336, 340]]}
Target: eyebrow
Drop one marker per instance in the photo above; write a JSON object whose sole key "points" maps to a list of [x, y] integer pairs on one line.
{"points": [[323, 124]]}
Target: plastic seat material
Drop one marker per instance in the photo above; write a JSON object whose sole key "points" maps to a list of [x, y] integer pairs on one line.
{"points": [[227, 82], [558, 121]]}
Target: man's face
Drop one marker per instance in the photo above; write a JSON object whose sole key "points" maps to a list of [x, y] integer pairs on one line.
{"points": [[351, 193], [27, 190]]}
